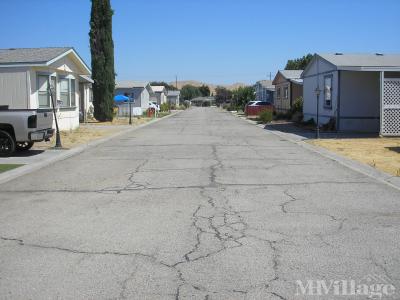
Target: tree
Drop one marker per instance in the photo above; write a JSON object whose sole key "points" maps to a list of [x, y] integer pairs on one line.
{"points": [[102, 52], [298, 63], [169, 87], [204, 90], [188, 92], [242, 95], [222, 95]]}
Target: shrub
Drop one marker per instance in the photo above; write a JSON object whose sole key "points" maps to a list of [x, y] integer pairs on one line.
{"points": [[164, 107], [225, 105], [231, 107], [265, 116], [330, 126], [297, 105], [309, 122]]}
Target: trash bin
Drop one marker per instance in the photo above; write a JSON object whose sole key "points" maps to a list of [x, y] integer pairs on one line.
{"points": [[151, 112]]}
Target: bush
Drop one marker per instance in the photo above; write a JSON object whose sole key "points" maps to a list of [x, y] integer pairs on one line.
{"points": [[265, 116], [164, 107], [310, 122], [225, 106], [297, 105]]}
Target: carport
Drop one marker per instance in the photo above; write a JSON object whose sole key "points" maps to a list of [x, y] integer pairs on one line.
{"points": [[357, 92]]}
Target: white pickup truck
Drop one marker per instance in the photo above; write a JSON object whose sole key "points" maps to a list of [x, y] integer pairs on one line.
{"points": [[20, 128]]}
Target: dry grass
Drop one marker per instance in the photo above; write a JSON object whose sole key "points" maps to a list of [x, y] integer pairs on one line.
{"points": [[121, 121], [380, 153], [90, 132]]}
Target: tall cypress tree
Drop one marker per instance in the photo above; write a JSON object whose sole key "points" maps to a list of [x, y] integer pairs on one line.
{"points": [[102, 51]]}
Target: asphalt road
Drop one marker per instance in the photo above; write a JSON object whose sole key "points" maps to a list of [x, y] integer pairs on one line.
{"points": [[201, 205]]}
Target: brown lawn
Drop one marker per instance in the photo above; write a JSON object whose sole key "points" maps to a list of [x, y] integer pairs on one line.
{"points": [[380, 153], [91, 131]]}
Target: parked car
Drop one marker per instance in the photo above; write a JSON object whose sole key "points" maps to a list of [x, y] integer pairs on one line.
{"points": [[21, 128], [255, 107]]}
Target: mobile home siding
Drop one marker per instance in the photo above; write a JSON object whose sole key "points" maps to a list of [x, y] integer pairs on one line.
{"points": [[310, 98], [14, 89], [313, 78]]}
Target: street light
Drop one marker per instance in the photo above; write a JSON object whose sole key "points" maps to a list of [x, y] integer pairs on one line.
{"points": [[130, 110], [317, 92], [58, 137]]}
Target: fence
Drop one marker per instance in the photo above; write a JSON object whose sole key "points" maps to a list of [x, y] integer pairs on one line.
{"points": [[123, 110]]}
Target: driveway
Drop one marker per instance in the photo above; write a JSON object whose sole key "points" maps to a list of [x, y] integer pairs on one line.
{"points": [[201, 205]]}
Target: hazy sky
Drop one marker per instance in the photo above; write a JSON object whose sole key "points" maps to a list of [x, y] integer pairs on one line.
{"points": [[216, 41]]}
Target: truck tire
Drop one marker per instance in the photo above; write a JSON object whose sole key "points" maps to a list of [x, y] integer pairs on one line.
{"points": [[23, 146], [7, 143]]}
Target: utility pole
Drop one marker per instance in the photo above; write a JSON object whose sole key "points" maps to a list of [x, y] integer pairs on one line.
{"points": [[270, 75], [176, 81]]}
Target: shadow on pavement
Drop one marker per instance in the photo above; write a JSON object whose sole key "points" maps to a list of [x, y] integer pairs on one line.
{"points": [[27, 153], [304, 133]]}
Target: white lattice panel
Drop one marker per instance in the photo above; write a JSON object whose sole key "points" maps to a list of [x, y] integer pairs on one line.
{"points": [[391, 124], [391, 107], [391, 93]]}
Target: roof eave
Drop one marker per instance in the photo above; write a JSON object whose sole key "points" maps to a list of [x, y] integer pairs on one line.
{"points": [[368, 69], [316, 56], [48, 63], [13, 65]]}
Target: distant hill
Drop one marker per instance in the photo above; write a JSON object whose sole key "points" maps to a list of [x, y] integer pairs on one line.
{"points": [[211, 86]]}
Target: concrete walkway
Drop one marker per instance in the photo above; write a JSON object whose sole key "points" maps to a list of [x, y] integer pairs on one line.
{"points": [[202, 205]]}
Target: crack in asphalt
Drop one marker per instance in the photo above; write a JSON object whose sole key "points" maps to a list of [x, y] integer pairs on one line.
{"points": [[21, 242], [118, 189]]}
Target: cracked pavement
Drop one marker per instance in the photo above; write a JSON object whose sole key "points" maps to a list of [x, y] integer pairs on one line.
{"points": [[198, 206]]}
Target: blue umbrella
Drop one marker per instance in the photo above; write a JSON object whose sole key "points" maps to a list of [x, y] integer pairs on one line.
{"points": [[121, 98]]}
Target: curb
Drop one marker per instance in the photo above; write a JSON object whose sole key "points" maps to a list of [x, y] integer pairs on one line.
{"points": [[23, 170], [359, 167]]}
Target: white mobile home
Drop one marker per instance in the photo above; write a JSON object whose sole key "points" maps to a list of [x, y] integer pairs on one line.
{"points": [[265, 91], [356, 92], [161, 93], [27, 73], [173, 97], [141, 94]]}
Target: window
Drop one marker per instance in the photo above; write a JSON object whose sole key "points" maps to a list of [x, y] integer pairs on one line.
{"points": [[328, 91], [90, 95], [73, 94], [43, 95], [64, 92], [67, 92], [278, 93], [286, 92]]}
